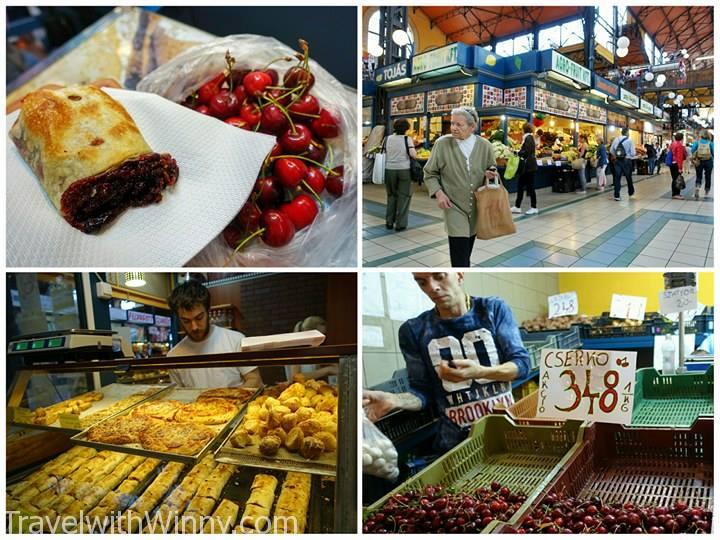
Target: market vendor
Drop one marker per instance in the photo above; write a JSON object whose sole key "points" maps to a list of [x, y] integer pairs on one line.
{"points": [[558, 144], [461, 357], [190, 302]]}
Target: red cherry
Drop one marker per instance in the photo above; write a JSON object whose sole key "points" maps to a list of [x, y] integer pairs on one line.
{"points": [[290, 171], [237, 76], [232, 235], [279, 95], [279, 229], [335, 182], [316, 151], [315, 179], [255, 82], [297, 141], [326, 126], [240, 93], [269, 191], [251, 113], [302, 211], [274, 78], [307, 104], [249, 217], [277, 149], [237, 122], [224, 104], [210, 88], [203, 109], [299, 76], [273, 120]]}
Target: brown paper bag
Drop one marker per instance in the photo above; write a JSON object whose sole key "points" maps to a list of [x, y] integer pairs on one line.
{"points": [[493, 211]]}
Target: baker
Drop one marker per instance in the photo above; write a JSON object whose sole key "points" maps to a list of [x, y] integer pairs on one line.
{"points": [[190, 302], [461, 357]]}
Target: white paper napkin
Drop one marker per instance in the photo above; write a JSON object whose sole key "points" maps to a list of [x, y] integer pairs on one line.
{"points": [[218, 166]]}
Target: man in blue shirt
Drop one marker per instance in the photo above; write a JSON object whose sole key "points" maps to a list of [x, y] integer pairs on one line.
{"points": [[702, 152], [461, 357], [624, 151]]}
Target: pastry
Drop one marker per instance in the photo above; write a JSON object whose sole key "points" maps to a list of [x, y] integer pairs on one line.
{"points": [[241, 439], [155, 491], [91, 419], [328, 439], [294, 439], [293, 502], [259, 504], [89, 155], [121, 430], [176, 438], [161, 409], [236, 395], [211, 411], [223, 518], [311, 448], [269, 445], [212, 487]]}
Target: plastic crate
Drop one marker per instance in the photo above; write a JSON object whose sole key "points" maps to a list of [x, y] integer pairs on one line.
{"points": [[523, 412], [537, 341], [672, 400], [654, 324], [523, 458], [646, 466]]}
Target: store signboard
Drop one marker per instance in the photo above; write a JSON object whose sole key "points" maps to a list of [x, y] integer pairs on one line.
{"points": [[564, 66], [606, 87], [393, 72], [618, 120], [629, 98], [647, 107], [587, 385], [553, 103], [678, 299], [411, 104], [139, 317], [562, 304], [447, 99], [160, 320], [592, 113], [657, 111], [436, 59], [117, 314], [628, 307]]}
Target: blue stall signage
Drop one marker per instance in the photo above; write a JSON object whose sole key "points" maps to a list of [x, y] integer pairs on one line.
{"points": [[564, 66], [393, 72], [606, 87], [436, 59]]}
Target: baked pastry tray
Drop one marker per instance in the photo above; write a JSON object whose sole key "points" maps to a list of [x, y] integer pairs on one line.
{"points": [[112, 393], [321, 511], [186, 395]]}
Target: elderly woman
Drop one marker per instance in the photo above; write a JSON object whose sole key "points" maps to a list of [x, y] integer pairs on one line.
{"points": [[458, 164]]}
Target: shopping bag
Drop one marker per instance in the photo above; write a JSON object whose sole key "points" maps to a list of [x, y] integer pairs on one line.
{"points": [[380, 458], [577, 164], [416, 171], [512, 166], [378, 175], [493, 211]]}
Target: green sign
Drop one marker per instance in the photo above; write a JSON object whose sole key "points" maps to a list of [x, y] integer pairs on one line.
{"points": [[55, 342], [22, 346], [629, 98], [646, 107], [439, 58], [38, 344], [564, 66]]}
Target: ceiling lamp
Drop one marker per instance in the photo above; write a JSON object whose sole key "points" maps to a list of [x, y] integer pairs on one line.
{"points": [[659, 83], [649, 76], [622, 52], [400, 38], [623, 42], [671, 95], [683, 51], [134, 279], [680, 97], [662, 78], [376, 50]]}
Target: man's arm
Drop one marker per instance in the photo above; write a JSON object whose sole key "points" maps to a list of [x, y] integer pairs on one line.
{"points": [[469, 369], [252, 379], [378, 404]]}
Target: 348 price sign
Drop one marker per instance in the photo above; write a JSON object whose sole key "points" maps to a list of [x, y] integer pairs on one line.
{"points": [[587, 385]]}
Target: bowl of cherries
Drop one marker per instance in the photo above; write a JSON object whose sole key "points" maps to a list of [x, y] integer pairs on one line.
{"points": [[304, 188]]}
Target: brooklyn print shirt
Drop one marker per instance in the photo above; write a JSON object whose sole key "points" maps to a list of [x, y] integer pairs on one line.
{"points": [[488, 335]]}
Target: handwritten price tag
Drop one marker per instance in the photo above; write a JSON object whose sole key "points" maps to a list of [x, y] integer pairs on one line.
{"points": [[587, 385], [678, 299], [562, 304], [628, 307]]}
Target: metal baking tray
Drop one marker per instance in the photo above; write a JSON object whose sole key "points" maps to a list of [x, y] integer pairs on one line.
{"points": [[321, 511], [185, 395], [112, 393]]}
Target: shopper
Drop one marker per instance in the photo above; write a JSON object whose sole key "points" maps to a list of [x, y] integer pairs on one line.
{"points": [[623, 149], [703, 152], [663, 156], [602, 162], [582, 153], [465, 386], [190, 303], [399, 149], [652, 156], [528, 167], [686, 163], [458, 165], [538, 138], [677, 149]]}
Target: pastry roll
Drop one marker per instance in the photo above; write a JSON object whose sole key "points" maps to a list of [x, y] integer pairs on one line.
{"points": [[89, 155], [223, 518], [214, 484], [293, 503], [259, 504]]}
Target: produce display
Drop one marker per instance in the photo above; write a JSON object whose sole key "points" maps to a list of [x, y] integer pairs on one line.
{"points": [[300, 167], [568, 515], [301, 419], [49, 415], [423, 153], [439, 511], [542, 323]]}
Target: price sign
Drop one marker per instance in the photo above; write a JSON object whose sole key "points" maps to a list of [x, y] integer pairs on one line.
{"points": [[562, 304], [628, 307], [678, 299], [587, 385]]}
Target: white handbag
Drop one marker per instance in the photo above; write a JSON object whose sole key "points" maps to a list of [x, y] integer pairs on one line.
{"points": [[378, 175]]}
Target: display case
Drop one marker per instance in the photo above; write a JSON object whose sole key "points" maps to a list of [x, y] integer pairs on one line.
{"points": [[68, 472]]}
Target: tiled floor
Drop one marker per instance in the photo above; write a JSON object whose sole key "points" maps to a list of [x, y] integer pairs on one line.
{"points": [[650, 230]]}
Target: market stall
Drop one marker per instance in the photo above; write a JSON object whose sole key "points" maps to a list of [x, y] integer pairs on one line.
{"points": [[152, 453]]}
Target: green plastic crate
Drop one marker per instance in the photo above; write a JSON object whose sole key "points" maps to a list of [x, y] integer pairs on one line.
{"points": [[672, 400], [523, 458]]}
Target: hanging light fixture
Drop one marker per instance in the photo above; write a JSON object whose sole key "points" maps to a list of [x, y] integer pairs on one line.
{"points": [[376, 50], [649, 76], [623, 42], [134, 279], [400, 38], [662, 78], [671, 95], [622, 52], [659, 83]]}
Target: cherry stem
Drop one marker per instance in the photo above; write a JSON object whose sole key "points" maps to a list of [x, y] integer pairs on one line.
{"points": [[331, 158], [282, 110], [243, 243], [278, 59], [307, 114], [230, 62], [311, 190], [324, 167]]}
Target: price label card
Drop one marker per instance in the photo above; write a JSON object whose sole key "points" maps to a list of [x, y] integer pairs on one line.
{"points": [[562, 304], [587, 385], [678, 299], [628, 307]]}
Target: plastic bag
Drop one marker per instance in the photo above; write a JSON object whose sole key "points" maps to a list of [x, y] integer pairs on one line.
{"points": [[511, 168], [378, 176], [378, 453], [331, 240]]}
